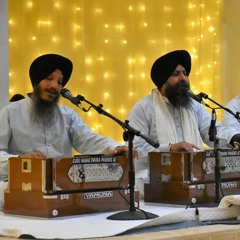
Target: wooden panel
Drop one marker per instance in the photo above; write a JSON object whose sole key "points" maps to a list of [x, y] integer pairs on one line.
{"points": [[44, 187], [178, 177]]}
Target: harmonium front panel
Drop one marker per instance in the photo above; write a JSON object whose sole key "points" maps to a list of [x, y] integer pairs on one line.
{"points": [[90, 172], [194, 167], [177, 177], [68, 186]]}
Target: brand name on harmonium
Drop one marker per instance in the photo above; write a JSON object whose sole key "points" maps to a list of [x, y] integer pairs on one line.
{"points": [[89, 160], [92, 195]]}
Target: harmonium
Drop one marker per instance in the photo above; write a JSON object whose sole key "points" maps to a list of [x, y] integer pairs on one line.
{"points": [[180, 177], [51, 188]]}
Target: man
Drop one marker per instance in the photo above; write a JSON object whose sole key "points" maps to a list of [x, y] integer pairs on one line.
{"points": [[39, 127], [228, 119], [169, 116]]}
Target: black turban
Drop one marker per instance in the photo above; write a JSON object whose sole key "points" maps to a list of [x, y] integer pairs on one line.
{"points": [[164, 66], [46, 64], [16, 97]]}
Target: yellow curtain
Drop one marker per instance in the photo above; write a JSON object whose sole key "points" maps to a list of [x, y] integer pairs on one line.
{"points": [[113, 44]]}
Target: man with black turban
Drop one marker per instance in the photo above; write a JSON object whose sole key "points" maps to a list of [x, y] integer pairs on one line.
{"points": [[39, 127], [169, 116]]}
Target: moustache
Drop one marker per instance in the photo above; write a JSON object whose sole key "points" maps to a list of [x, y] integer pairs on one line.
{"points": [[52, 91]]}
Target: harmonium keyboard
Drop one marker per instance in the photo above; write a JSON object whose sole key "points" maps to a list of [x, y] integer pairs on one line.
{"points": [[179, 177], [50, 188]]}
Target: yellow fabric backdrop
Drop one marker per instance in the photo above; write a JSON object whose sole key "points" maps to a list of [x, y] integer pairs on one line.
{"points": [[113, 44]]}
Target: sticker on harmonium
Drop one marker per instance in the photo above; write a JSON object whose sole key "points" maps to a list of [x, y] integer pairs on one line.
{"points": [[104, 194], [95, 169]]}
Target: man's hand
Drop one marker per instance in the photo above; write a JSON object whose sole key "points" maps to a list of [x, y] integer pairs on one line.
{"points": [[34, 155], [235, 141], [183, 146], [125, 151], [236, 146]]}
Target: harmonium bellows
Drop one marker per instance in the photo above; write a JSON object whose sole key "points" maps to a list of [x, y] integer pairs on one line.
{"points": [[83, 184], [178, 177]]}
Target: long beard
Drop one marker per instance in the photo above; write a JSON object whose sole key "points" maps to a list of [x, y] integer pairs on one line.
{"points": [[177, 94], [42, 111]]}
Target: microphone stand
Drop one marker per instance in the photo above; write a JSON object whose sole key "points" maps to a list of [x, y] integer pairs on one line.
{"points": [[213, 137], [128, 135]]}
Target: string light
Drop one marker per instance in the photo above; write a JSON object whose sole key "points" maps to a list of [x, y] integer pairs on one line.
{"points": [[113, 46]]}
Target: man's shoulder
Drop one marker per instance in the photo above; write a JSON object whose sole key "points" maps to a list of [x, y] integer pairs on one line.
{"points": [[65, 109], [146, 100], [235, 100], [12, 106], [143, 105]]}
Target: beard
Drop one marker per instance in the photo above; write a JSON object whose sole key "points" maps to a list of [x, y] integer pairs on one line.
{"points": [[43, 111], [177, 94]]}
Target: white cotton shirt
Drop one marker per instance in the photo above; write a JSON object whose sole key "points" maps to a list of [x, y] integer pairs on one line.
{"points": [[229, 119], [20, 135]]}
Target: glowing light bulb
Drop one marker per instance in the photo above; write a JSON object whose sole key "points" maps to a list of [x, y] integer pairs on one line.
{"points": [[89, 78], [122, 110], [211, 28], [29, 4], [130, 8], [106, 95], [88, 61], [101, 59], [98, 11], [143, 75], [57, 5], [142, 8]]}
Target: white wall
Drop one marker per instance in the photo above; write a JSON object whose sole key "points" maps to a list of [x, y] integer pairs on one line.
{"points": [[4, 67]]}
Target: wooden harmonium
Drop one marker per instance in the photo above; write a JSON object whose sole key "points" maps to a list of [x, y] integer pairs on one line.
{"points": [[51, 188], [178, 177]]}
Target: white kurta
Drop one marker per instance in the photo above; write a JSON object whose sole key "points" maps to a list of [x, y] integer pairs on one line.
{"points": [[19, 135], [143, 118], [228, 119]]}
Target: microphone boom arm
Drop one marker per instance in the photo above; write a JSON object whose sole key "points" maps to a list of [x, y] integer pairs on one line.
{"points": [[125, 125], [236, 115]]}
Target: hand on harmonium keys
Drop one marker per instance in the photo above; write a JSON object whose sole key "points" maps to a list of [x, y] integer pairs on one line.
{"points": [[124, 150], [236, 146], [235, 142], [183, 146]]}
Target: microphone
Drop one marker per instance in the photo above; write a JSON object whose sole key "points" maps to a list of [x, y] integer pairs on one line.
{"points": [[195, 97], [212, 129], [67, 94]]}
